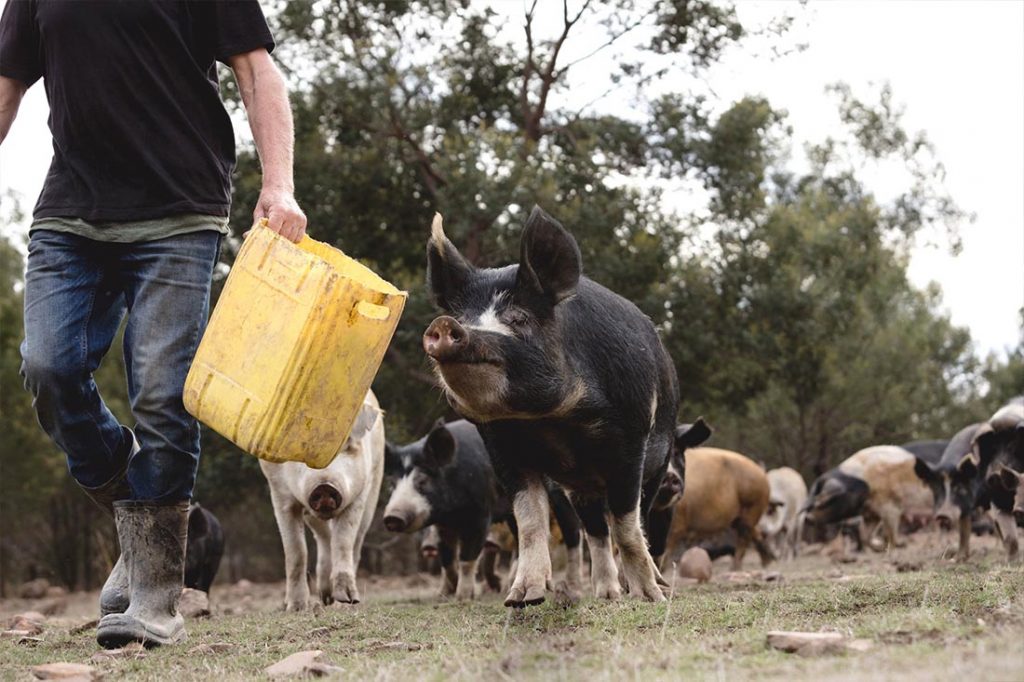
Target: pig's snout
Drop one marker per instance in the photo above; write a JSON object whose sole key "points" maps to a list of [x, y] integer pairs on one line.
{"points": [[946, 518], [325, 500], [395, 523], [444, 338], [672, 483]]}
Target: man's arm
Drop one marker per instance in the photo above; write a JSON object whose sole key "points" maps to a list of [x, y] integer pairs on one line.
{"points": [[11, 92], [265, 97]]}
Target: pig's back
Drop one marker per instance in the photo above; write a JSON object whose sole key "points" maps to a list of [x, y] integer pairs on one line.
{"points": [[720, 486]]}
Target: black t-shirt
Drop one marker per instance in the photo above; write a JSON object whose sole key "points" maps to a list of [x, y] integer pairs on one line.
{"points": [[139, 130]]}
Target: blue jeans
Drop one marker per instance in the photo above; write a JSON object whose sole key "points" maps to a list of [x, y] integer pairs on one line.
{"points": [[77, 291]]}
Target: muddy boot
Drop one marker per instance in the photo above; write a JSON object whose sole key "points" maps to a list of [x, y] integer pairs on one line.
{"points": [[114, 595], [152, 538]]}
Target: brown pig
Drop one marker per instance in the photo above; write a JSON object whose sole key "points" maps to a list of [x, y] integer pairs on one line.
{"points": [[894, 489], [722, 490]]}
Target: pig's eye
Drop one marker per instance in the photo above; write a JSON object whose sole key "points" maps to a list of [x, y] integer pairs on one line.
{"points": [[516, 318]]}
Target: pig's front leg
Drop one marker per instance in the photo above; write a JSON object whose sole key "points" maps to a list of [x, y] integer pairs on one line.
{"points": [[530, 506], [964, 549], [1006, 528], [637, 565], [322, 534], [344, 535], [293, 538], [471, 543], [448, 543]]}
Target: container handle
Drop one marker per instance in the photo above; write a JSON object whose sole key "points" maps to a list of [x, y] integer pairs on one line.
{"points": [[372, 311]]}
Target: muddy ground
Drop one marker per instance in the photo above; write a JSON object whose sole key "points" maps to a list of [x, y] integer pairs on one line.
{"points": [[912, 613]]}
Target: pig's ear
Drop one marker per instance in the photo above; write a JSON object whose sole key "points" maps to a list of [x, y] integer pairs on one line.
{"points": [[967, 467], [439, 450], [365, 420], [447, 271], [923, 470], [692, 435], [1009, 478], [549, 261], [1006, 478], [196, 521], [392, 460]]}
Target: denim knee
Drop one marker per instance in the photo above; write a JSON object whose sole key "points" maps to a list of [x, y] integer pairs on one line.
{"points": [[46, 373]]}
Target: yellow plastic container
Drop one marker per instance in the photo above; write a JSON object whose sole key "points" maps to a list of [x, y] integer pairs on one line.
{"points": [[291, 349]]}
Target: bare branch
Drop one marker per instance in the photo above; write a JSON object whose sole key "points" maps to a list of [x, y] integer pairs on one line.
{"points": [[608, 43]]}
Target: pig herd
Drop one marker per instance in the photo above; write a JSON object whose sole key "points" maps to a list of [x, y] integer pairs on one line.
{"points": [[569, 403]]}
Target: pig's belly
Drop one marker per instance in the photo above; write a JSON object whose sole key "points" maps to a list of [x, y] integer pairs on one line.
{"points": [[570, 454]]}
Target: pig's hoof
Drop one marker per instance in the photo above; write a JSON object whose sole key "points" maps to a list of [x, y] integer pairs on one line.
{"points": [[295, 606], [567, 594], [345, 589], [520, 596], [652, 592], [494, 583], [465, 590], [326, 598], [608, 590]]}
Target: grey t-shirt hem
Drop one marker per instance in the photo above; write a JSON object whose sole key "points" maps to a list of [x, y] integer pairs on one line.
{"points": [[134, 230]]}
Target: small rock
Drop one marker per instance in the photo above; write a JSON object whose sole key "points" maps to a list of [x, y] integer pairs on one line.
{"points": [[131, 650], [34, 589], [15, 634], [194, 603], [771, 576], [696, 564], [28, 623], [212, 648], [70, 672], [319, 632], [806, 643], [300, 663], [377, 645], [860, 645]]}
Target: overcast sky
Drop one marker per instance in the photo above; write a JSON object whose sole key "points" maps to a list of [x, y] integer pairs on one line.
{"points": [[957, 66]]}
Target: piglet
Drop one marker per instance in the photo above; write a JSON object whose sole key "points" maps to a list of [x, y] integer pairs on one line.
{"points": [[337, 503]]}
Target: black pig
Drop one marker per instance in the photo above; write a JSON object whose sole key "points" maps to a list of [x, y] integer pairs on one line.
{"points": [[204, 548], [446, 480], [566, 380]]}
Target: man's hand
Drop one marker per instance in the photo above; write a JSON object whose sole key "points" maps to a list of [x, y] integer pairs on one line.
{"points": [[265, 97], [282, 212]]}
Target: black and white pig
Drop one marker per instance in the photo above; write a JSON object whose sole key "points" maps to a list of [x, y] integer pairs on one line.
{"points": [[999, 446], [336, 503], [204, 548], [956, 485], [566, 380], [446, 480]]}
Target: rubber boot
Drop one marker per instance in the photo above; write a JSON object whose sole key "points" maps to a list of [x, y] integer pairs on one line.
{"points": [[114, 595], [152, 540]]}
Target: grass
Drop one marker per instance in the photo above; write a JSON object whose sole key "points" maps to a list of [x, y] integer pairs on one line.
{"points": [[943, 622]]}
